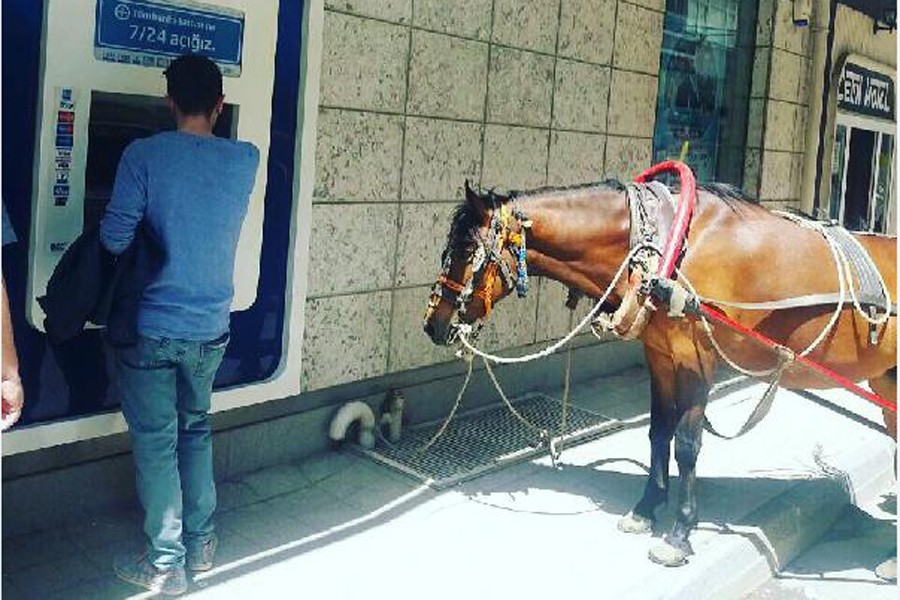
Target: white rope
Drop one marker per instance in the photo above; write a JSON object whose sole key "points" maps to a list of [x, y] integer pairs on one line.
{"points": [[543, 433], [462, 390], [465, 329], [845, 281]]}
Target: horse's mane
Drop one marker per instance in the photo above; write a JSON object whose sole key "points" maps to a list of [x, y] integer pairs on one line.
{"points": [[467, 215], [727, 192]]}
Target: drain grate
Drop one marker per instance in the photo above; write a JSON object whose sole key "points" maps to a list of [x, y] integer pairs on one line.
{"points": [[485, 440]]}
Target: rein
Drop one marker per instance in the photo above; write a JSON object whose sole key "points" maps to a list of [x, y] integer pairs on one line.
{"points": [[506, 231]]}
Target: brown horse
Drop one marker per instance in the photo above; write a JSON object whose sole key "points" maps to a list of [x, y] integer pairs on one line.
{"points": [[736, 251]]}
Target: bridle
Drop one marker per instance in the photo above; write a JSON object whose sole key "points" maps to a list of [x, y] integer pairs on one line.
{"points": [[505, 231]]}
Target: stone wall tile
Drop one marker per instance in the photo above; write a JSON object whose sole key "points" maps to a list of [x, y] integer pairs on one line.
{"points": [[803, 90], [423, 236], [521, 88], [776, 176], [755, 122], [466, 18], [626, 157], [345, 339], [786, 75], [553, 316], [581, 97], [800, 124], [657, 5], [512, 323], [751, 172], [632, 104], [780, 125], [764, 22], [410, 346], [639, 34], [530, 25], [514, 157], [796, 176], [363, 63], [447, 76], [575, 157], [786, 35], [358, 155], [586, 30], [760, 76], [351, 248], [397, 11], [440, 156]]}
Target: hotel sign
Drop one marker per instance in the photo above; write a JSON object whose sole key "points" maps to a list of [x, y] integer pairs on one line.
{"points": [[866, 92]]}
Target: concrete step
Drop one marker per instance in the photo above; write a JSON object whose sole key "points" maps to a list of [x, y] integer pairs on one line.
{"points": [[868, 534], [769, 496]]}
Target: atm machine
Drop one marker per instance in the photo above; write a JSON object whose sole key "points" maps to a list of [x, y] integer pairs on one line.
{"points": [[102, 87], [99, 86]]}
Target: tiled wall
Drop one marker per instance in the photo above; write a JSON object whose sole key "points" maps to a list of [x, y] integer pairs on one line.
{"points": [[417, 96], [779, 102]]}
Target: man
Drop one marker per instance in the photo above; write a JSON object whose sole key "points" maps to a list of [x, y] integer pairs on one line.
{"points": [[13, 396], [191, 190]]}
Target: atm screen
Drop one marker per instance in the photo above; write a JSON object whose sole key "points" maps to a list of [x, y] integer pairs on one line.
{"points": [[116, 120]]}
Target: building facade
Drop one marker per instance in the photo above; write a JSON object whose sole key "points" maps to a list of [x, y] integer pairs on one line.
{"points": [[398, 103]]}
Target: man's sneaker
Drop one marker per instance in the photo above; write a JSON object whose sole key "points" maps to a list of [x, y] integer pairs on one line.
{"points": [[140, 571], [200, 556]]}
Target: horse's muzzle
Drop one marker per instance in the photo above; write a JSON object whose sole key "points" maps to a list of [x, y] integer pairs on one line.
{"points": [[442, 333]]}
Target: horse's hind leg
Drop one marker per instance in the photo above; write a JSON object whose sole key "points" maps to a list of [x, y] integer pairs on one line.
{"points": [[886, 387], [662, 428]]}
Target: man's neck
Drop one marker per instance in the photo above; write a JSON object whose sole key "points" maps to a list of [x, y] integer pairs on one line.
{"points": [[195, 124]]}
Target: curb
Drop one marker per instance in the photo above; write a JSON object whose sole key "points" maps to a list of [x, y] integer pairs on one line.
{"points": [[733, 562]]}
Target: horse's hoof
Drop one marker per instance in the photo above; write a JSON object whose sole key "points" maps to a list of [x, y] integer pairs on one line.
{"points": [[632, 523], [888, 569], [668, 555]]}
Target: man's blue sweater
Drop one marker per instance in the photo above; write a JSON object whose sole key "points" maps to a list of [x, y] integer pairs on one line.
{"points": [[192, 192]]}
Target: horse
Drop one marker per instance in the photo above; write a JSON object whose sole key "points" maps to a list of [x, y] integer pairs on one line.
{"points": [[737, 252]]}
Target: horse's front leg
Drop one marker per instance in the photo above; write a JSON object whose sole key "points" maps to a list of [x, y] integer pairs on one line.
{"points": [[662, 428], [693, 396]]}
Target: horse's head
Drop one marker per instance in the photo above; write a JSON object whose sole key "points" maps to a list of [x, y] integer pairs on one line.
{"points": [[484, 261]]}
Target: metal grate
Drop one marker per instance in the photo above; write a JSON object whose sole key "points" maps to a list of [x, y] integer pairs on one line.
{"points": [[485, 440]]}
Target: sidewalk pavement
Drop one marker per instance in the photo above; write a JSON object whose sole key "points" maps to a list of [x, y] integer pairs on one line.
{"points": [[340, 526]]}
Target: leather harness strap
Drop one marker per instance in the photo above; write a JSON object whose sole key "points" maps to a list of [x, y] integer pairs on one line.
{"points": [[795, 302]]}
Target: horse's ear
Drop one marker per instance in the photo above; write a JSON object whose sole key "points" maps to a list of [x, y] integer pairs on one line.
{"points": [[476, 199], [471, 196]]}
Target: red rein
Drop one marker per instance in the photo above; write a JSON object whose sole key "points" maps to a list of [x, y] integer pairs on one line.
{"points": [[682, 214], [670, 256]]}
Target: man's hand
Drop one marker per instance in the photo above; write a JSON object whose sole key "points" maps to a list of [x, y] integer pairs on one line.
{"points": [[13, 401], [13, 396]]}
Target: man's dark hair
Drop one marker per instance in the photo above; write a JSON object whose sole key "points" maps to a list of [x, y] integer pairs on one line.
{"points": [[194, 83]]}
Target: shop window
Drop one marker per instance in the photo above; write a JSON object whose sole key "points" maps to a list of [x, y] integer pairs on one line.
{"points": [[862, 174], [704, 86]]}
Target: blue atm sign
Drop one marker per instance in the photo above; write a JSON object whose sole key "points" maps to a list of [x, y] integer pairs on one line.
{"points": [[153, 32]]}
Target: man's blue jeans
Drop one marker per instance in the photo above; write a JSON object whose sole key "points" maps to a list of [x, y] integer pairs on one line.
{"points": [[165, 387]]}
